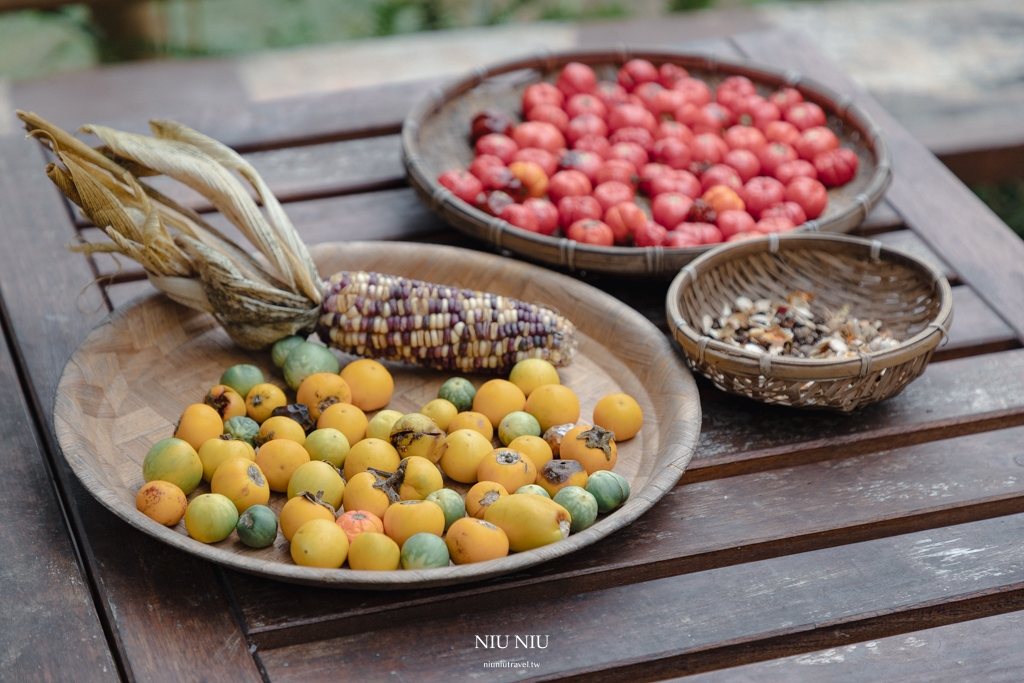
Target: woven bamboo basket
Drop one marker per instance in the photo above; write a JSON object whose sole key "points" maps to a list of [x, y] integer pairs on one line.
{"points": [[435, 138], [911, 297]]}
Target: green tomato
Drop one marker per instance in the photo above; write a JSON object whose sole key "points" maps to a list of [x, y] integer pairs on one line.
{"points": [[328, 445], [210, 517], [243, 428], [533, 490], [451, 503], [424, 551], [517, 424], [282, 347], [242, 378], [307, 359], [257, 527], [581, 505], [608, 490], [460, 391], [175, 461]]}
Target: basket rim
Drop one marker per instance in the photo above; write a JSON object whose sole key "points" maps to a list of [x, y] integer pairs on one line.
{"points": [[640, 260], [700, 348]]}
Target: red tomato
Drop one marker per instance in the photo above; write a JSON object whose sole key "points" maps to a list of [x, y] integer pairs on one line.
{"points": [[666, 102], [650, 234], [773, 224], [598, 144], [790, 210], [786, 172], [543, 158], [501, 146], [463, 185], [538, 134], [810, 194], [532, 176], [805, 115], [712, 118], [612, 192], [744, 137], [669, 74], [705, 232], [784, 98], [708, 147], [674, 129], [572, 209], [773, 155], [584, 103], [617, 169], [549, 113], [611, 94], [675, 180], [697, 91], [744, 161], [836, 167], [570, 183], [647, 92], [587, 163], [490, 121], [501, 178], [541, 93], [546, 213], [576, 78], [590, 231], [630, 151], [630, 116], [640, 136], [762, 113], [637, 72], [584, 125], [730, 222], [815, 140], [741, 236], [741, 84], [624, 219], [781, 131], [672, 152], [649, 172], [670, 209], [761, 192], [520, 216], [721, 198], [701, 212], [720, 174], [483, 162], [675, 238]]}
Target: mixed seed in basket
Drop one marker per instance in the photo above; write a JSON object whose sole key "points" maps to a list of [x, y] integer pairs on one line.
{"points": [[718, 166], [385, 474]]}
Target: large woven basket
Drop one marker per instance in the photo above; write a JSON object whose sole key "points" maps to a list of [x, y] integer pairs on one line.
{"points": [[911, 297], [435, 139]]}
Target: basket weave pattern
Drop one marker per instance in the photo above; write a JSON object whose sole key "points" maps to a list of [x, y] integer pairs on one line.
{"points": [[911, 297]]}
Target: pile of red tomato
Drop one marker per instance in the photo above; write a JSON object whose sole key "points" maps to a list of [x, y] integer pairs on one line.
{"points": [[719, 166]]}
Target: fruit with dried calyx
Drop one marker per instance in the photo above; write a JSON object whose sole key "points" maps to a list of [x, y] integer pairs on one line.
{"points": [[226, 401], [319, 477], [301, 509], [507, 467], [356, 522], [534, 448], [241, 481], [280, 427], [417, 434], [365, 492], [592, 447], [558, 474], [321, 390], [483, 495], [262, 400]]}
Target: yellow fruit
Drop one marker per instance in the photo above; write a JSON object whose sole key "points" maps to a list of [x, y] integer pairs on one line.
{"points": [[478, 422], [381, 424], [375, 453], [466, 448], [262, 400], [370, 382], [321, 390], [347, 419], [592, 447], [199, 423], [210, 518], [328, 445], [219, 450], [417, 434], [315, 476], [497, 398], [175, 461], [529, 521], [474, 540], [481, 496], [421, 478], [355, 522], [280, 427], [278, 460], [620, 414], [409, 517], [558, 474], [301, 509], [242, 482], [161, 501], [361, 495], [372, 551], [531, 373], [507, 467], [225, 401], [534, 448], [319, 543], [441, 412], [553, 404]]}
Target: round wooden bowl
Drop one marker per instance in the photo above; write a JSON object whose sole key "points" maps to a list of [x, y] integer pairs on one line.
{"points": [[911, 297], [128, 383], [435, 139]]}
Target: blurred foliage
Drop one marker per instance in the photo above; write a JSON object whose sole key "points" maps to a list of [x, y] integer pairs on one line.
{"points": [[1006, 200], [688, 5]]}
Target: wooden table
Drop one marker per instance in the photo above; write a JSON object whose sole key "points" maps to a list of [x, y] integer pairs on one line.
{"points": [[886, 545]]}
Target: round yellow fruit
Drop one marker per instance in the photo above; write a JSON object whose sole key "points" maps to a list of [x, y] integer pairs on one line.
{"points": [[592, 447], [481, 496], [280, 427], [558, 474], [497, 398], [466, 448], [529, 521], [347, 419], [533, 447], [533, 372], [175, 461], [242, 482], [441, 412], [474, 540], [210, 518], [161, 501], [410, 517], [319, 543], [620, 414], [370, 382], [225, 401], [507, 467], [199, 423], [372, 551], [361, 495], [421, 478], [375, 453], [381, 424], [321, 390], [221, 449], [315, 476], [478, 422], [553, 404], [301, 509], [328, 445], [278, 460], [417, 434], [261, 401]]}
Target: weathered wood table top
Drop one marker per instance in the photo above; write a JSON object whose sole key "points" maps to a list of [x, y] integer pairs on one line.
{"points": [[887, 545]]}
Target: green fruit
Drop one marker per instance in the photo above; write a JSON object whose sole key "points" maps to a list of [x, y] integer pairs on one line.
{"points": [[210, 517], [460, 391], [257, 527], [608, 490], [317, 476], [243, 428], [175, 461], [424, 551], [328, 445], [581, 505], [308, 359], [242, 378], [517, 424], [282, 347], [451, 504], [533, 490]]}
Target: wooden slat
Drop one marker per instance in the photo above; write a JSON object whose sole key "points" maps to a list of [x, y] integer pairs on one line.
{"points": [[976, 328], [701, 621], [160, 634], [882, 218], [910, 242]]}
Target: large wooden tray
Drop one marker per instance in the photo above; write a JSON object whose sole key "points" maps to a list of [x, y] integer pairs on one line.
{"points": [[435, 138], [127, 384]]}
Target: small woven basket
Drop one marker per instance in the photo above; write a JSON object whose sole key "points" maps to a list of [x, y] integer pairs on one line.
{"points": [[912, 298]]}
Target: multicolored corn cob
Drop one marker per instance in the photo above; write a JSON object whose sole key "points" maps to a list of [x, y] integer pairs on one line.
{"points": [[394, 318]]}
